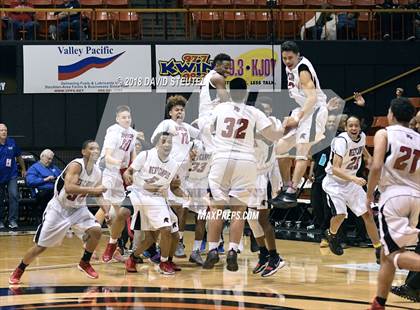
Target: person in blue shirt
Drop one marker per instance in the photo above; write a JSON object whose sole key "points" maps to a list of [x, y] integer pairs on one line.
{"points": [[69, 19], [9, 153], [41, 176]]}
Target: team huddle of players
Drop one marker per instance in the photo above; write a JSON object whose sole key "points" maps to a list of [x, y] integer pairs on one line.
{"points": [[227, 158]]}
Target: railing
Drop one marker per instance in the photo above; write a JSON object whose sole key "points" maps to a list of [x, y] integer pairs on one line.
{"points": [[213, 24]]}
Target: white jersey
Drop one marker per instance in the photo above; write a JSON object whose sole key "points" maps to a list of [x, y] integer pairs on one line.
{"points": [[150, 169], [208, 95], [265, 155], [402, 161], [181, 141], [351, 152], [200, 166], [235, 127], [85, 180], [122, 142], [265, 152], [295, 89]]}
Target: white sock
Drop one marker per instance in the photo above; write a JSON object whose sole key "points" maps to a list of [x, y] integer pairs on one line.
{"points": [[181, 234], [113, 241], [163, 259], [233, 246], [197, 245], [241, 245], [213, 245], [291, 190]]}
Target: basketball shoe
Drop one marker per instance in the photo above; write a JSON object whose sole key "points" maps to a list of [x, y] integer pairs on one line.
{"points": [[87, 268], [109, 252], [15, 276], [166, 268]]}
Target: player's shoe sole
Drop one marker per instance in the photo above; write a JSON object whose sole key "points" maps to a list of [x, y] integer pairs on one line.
{"points": [[211, 260], [86, 273], [232, 261], [273, 271]]}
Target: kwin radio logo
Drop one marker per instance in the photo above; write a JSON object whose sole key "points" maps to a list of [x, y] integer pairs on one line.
{"points": [[190, 66]]}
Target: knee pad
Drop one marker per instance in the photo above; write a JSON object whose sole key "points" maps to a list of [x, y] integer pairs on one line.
{"points": [[302, 157], [256, 228], [302, 150]]}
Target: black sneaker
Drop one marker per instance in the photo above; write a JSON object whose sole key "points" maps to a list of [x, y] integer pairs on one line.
{"points": [[284, 201], [232, 261], [406, 292], [262, 263], [211, 259], [334, 244], [290, 199], [277, 201], [378, 255], [274, 264]]}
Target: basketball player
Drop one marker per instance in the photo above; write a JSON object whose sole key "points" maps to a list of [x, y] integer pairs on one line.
{"points": [[197, 184], [269, 260], [117, 152], [344, 188], [156, 170], [396, 169], [68, 209], [411, 288], [212, 92], [233, 169], [213, 87], [305, 126], [182, 135]]}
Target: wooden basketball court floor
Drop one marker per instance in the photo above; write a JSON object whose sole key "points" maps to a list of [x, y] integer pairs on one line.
{"points": [[310, 280]]}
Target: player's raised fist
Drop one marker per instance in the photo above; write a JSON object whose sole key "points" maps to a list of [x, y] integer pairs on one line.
{"points": [[128, 178], [98, 190]]}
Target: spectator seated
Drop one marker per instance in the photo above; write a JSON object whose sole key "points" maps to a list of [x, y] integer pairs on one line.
{"points": [[22, 25], [41, 177]]}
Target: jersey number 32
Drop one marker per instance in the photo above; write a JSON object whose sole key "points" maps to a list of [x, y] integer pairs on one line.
{"points": [[235, 128]]}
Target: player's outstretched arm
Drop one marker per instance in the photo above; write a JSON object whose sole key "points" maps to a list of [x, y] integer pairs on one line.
{"points": [[380, 143], [220, 84], [341, 173], [272, 132], [71, 180], [367, 157], [105, 205], [111, 160], [176, 187], [128, 176]]}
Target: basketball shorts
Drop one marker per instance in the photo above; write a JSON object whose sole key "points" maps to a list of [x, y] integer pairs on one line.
{"points": [[310, 130], [343, 195], [113, 181], [258, 199], [197, 189], [398, 218], [58, 220], [153, 210], [232, 177]]}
